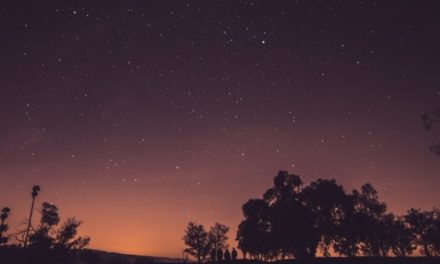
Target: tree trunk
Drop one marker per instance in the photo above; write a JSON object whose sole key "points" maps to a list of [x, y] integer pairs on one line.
{"points": [[29, 223]]}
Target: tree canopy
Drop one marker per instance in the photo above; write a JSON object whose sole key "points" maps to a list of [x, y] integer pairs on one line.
{"points": [[297, 221]]}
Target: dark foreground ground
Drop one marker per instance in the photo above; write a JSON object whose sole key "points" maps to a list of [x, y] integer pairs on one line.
{"points": [[15, 256], [18, 256], [367, 260]]}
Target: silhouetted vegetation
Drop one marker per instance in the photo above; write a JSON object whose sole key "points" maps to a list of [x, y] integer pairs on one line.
{"points": [[3, 226], [290, 222], [196, 241], [296, 221], [200, 243], [44, 243], [35, 190], [217, 238]]}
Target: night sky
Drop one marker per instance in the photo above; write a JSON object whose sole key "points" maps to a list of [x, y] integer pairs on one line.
{"points": [[139, 116]]}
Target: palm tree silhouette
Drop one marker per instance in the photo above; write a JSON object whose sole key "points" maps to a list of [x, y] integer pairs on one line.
{"points": [[35, 190]]}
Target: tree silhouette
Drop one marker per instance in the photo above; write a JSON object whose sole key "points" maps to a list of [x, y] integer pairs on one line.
{"points": [[403, 242], [41, 238], [45, 243], [217, 237], [253, 232], [293, 230], [329, 204], [422, 225], [348, 236], [280, 224], [435, 236], [49, 215], [364, 226], [35, 190], [46, 237], [369, 212], [292, 225], [3, 226], [286, 187], [384, 236], [65, 237], [292, 220], [196, 241]]}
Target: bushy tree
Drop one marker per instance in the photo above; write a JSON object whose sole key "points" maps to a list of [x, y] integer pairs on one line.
{"points": [[403, 242], [365, 228], [42, 238], [423, 227], [280, 224], [217, 237], [5, 212], [348, 235], [369, 213], [329, 205], [292, 220], [46, 236], [292, 232], [253, 232], [196, 241], [66, 236], [435, 236]]}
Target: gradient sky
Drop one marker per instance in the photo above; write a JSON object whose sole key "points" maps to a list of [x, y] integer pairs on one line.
{"points": [[139, 116]]}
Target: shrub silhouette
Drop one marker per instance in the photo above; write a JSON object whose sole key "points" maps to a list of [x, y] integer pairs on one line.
{"points": [[5, 212], [44, 243]]}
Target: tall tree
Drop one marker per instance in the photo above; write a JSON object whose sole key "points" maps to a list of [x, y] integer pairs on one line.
{"points": [[292, 223], [285, 187], [348, 235], [35, 190], [369, 212], [281, 224], [329, 204], [421, 224], [196, 241], [3, 226], [218, 237], [253, 233], [293, 230], [403, 239], [435, 236]]}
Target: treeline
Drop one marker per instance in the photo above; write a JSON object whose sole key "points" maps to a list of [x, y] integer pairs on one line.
{"points": [[296, 221], [47, 242], [202, 244]]}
